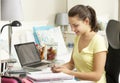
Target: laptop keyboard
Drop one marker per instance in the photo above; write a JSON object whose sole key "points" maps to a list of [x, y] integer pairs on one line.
{"points": [[39, 64]]}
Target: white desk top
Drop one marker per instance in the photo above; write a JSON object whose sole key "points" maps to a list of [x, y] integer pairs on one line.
{"points": [[66, 81], [60, 81]]}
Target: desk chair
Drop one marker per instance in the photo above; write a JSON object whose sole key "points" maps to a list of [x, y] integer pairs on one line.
{"points": [[112, 66]]}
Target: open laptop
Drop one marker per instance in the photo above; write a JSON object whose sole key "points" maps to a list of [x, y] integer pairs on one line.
{"points": [[29, 56]]}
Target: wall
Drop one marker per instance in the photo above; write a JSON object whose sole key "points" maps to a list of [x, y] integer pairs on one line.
{"points": [[42, 10], [37, 10], [107, 8], [119, 10]]}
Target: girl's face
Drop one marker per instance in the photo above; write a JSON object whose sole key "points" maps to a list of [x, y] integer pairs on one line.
{"points": [[77, 25]]}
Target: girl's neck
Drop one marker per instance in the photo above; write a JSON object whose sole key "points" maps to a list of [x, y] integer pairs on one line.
{"points": [[88, 35]]}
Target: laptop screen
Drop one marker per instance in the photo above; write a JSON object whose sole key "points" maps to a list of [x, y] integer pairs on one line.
{"points": [[27, 53]]}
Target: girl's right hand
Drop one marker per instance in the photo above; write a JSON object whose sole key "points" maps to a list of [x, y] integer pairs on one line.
{"points": [[54, 69]]}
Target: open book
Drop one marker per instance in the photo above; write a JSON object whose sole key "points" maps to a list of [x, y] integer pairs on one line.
{"points": [[48, 76]]}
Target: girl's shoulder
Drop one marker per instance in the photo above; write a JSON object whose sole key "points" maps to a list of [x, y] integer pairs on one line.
{"points": [[98, 37]]}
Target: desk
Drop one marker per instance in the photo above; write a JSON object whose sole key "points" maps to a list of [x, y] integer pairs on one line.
{"points": [[71, 80], [67, 81], [64, 58]]}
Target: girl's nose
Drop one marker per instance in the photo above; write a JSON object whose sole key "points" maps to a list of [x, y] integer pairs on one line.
{"points": [[72, 28]]}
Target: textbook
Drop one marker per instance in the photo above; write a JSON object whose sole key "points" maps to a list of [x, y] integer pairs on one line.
{"points": [[49, 76]]}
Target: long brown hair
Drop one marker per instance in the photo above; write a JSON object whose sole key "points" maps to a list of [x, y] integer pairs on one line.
{"points": [[84, 12]]}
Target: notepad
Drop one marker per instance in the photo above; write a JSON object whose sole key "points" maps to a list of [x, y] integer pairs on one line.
{"points": [[48, 76]]}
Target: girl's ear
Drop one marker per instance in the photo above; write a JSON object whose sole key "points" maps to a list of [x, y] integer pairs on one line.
{"points": [[87, 21]]}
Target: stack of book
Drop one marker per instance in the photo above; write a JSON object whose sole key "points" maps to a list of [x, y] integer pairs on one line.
{"points": [[48, 76]]}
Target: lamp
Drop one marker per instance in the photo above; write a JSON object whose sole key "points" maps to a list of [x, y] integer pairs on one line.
{"points": [[11, 10], [61, 20]]}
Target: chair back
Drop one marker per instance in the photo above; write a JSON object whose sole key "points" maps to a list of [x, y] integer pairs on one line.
{"points": [[113, 33], [112, 66]]}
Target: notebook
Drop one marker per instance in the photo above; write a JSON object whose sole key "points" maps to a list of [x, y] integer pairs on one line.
{"points": [[29, 56], [48, 76]]}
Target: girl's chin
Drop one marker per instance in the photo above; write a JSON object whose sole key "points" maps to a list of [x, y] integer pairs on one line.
{"points": [[77, 33]]}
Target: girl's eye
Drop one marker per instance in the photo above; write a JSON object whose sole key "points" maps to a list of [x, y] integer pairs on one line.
{"points": [[76, 25]]}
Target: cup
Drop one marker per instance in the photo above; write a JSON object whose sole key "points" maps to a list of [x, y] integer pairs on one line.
{"points": [[41, 50], [51, 51]]}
